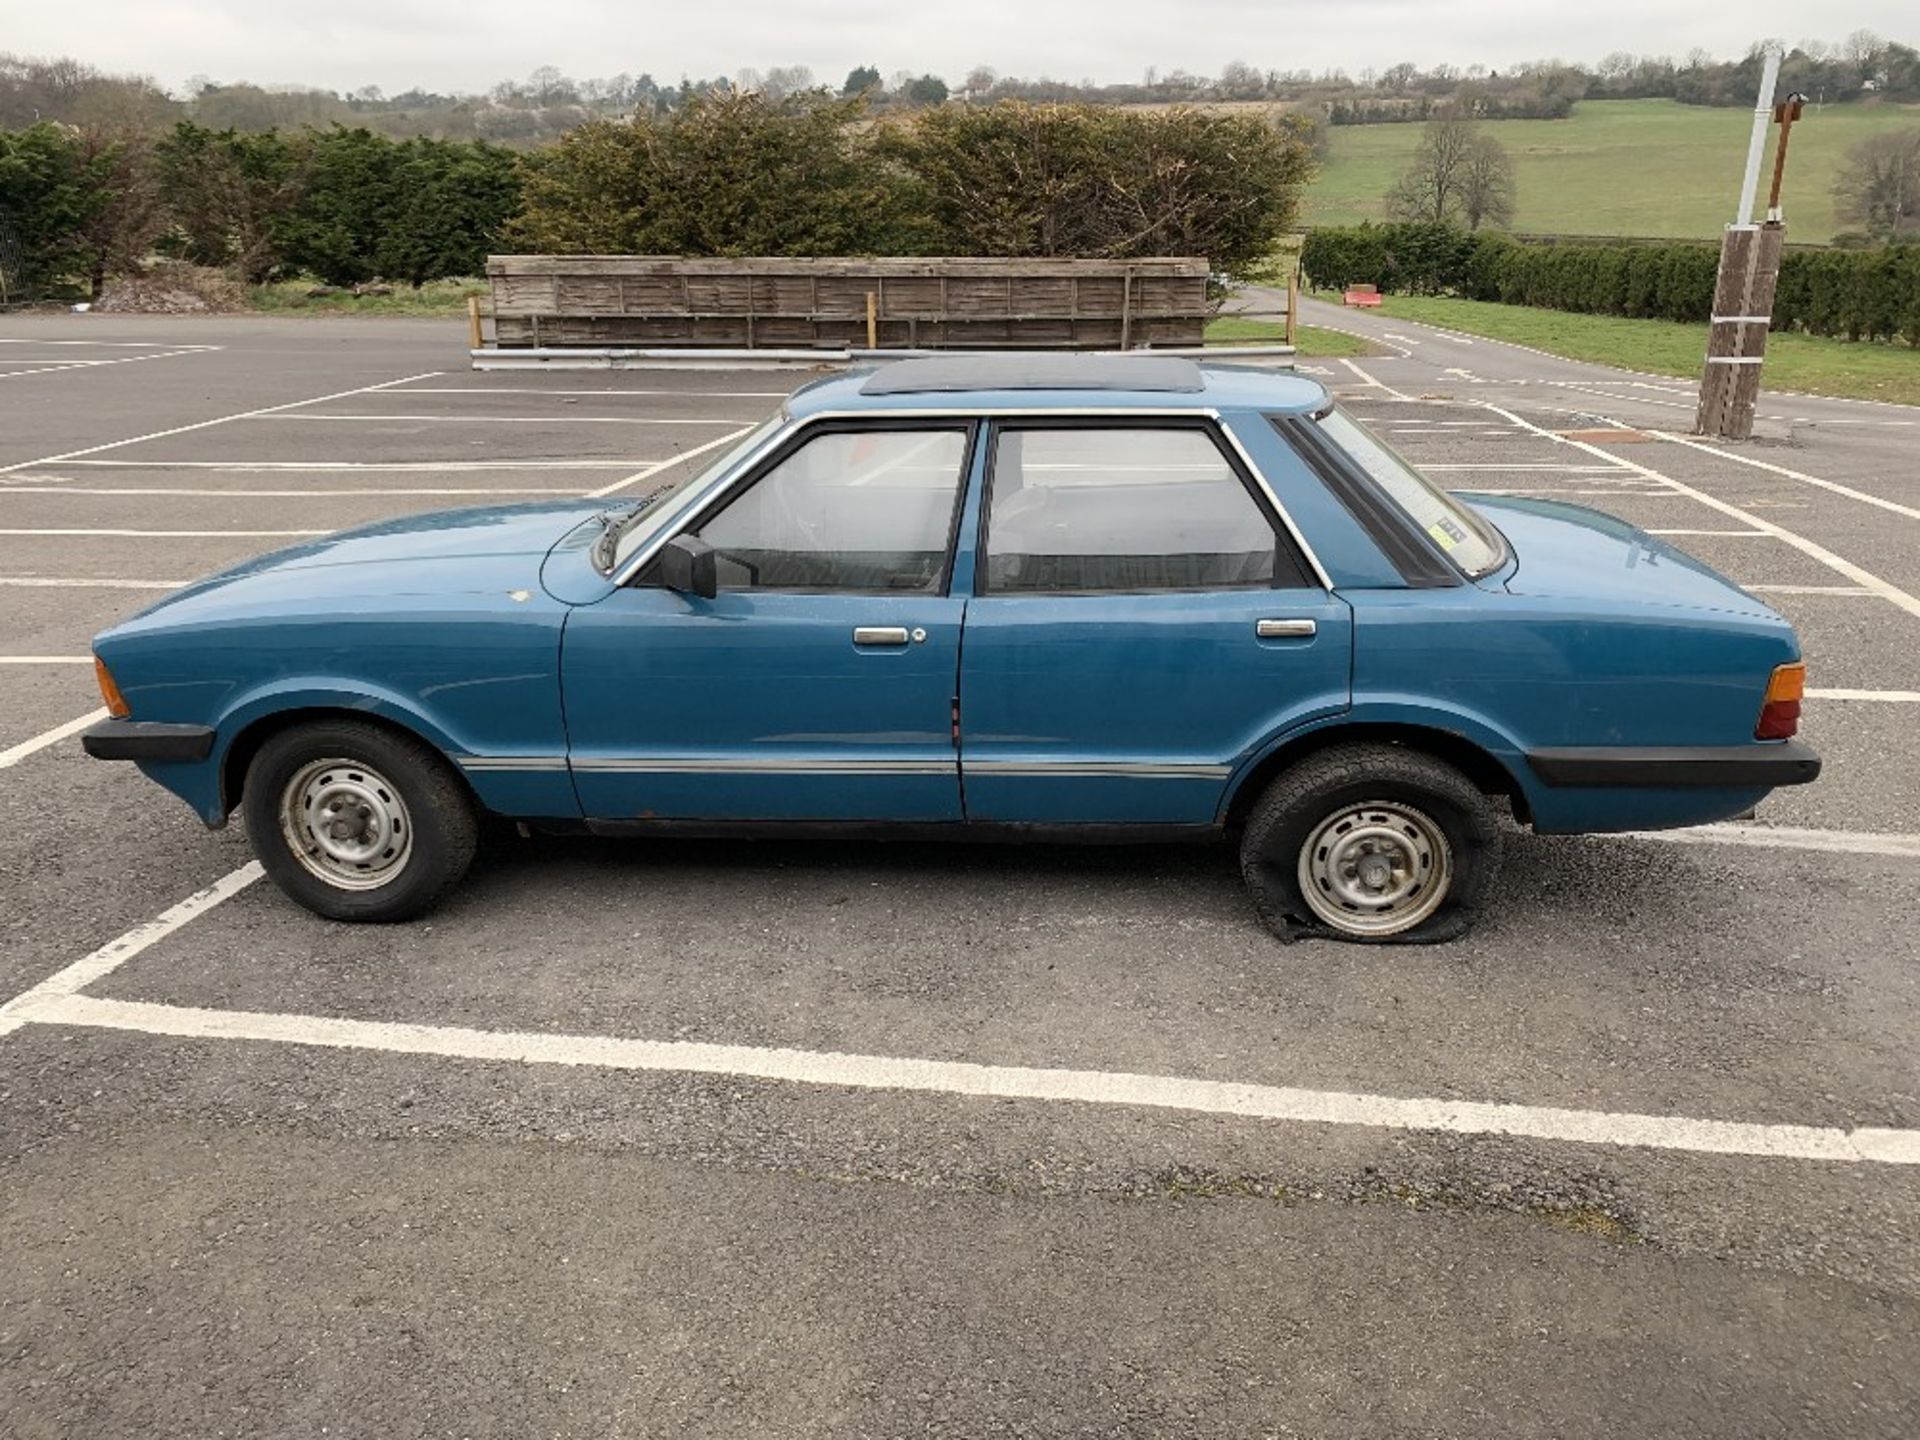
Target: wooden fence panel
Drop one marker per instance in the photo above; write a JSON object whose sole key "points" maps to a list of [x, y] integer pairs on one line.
{"points": [[918, 302]]}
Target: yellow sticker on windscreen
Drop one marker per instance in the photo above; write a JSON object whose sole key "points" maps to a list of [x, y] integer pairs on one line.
{"points": [[1446, 533]]}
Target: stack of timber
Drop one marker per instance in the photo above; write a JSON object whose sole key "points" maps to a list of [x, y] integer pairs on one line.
{"points": [[604, 301]]}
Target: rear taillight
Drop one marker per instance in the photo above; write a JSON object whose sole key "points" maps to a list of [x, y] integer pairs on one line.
{"points": [[1780, 715]]}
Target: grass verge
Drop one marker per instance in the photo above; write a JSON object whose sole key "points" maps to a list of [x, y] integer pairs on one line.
{"points": [[1808, 363], [436, 297]]}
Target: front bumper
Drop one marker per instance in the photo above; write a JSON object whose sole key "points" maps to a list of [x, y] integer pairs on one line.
{"points": [[147, 740], [1762, 765]]}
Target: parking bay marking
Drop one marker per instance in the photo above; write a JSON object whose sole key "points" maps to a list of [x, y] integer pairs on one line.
{"points": [[206, 424], [58, 1001], [13, 756]]}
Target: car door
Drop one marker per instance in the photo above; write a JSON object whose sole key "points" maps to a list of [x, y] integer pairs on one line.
{"points": [[818, 684], [1142, 622]]}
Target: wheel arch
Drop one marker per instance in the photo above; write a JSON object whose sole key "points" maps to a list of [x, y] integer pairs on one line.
{"points": [[1481, 766], [255, 733]]}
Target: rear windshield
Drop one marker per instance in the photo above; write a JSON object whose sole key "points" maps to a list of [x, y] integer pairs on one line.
{"points": [[1468, 541]]}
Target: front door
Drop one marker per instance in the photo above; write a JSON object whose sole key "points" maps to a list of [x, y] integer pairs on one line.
{"points": [[1142, 622], [819, 683]]}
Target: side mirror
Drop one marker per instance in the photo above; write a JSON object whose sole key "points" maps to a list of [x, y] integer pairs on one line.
{"points": [[691, 566]]}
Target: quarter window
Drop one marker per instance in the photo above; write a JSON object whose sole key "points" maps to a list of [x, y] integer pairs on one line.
{"points": [[848, 510], [1135, 508]]}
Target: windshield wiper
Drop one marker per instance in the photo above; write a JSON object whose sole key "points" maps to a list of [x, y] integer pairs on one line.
{"points": [[614, 524]]}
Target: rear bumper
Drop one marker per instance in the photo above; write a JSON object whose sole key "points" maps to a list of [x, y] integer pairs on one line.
{"points": [[1762, 765], [147, 740]]}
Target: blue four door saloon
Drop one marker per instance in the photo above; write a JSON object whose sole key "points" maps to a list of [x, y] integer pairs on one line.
{"points": [[1077, 597]]}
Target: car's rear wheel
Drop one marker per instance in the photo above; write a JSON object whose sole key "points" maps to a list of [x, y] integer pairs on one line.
{"points": [[358, 822], [1372, 843]]}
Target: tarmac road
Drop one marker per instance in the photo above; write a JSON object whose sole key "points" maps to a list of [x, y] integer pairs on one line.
{"points": [[260, 1175]]}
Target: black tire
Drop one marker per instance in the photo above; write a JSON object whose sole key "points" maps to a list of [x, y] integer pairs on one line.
{"points": [[429, 835], [1335, 783]]}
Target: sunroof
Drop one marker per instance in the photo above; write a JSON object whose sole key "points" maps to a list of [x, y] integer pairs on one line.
{"points": [[945, 373]]}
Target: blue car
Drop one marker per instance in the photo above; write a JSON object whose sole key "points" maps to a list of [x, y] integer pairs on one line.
{"points": [[1022, 597]]}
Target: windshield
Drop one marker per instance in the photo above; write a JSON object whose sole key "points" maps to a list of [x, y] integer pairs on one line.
{"points": [[673, 496], [1469, 541]]}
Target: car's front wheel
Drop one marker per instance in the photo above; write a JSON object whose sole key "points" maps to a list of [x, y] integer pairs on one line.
{"points": [[1370, 842], [357, 822]]}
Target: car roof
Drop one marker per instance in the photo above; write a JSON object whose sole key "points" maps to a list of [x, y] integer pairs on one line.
{"points": [[1067, 382]]}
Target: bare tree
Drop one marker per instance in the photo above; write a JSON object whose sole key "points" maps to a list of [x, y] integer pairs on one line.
{"points": [[1429, 191], [1878, 188], [1486, 184]]}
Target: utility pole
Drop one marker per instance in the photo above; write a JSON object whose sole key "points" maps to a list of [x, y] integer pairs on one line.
{"points": [[1749, 273]]}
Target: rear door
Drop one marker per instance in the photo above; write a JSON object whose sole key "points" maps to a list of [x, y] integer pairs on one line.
{"points": [[1142, 620], [819, 683]]}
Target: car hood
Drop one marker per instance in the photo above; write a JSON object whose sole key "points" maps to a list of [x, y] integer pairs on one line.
{"points": [[1576, 553], [446, 552]]}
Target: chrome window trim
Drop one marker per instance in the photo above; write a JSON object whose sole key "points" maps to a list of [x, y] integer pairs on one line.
{"points": [[679, 523]]}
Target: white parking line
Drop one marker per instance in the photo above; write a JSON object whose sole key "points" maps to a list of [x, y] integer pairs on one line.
{"points": [[1808, 589], [88, 364], [175, 534], [1829, 485], [207, 424], [1529, 469], [312, 493], [1868, 1144], [45, 582], [102, 344], [17, 753], [115, 953], [378, 465], [46, 659], [532, 419], [658, 466], [1884, 697], [1742, 534], [1786, 837], [1882, 588], [616, 394]]}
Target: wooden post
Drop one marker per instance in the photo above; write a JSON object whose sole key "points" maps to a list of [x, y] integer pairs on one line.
{"points": [[475, 337], [873, 321], [1723, 335], [1293, 299], [1126, 309]]}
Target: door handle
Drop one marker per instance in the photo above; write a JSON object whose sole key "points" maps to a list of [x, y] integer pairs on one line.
{"points": [[1284, 629], [880, 635]]}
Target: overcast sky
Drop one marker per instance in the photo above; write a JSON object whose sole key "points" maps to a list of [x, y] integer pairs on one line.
{"points": [[469, 44]]}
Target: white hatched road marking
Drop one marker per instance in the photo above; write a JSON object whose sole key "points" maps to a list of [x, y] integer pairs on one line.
{"points": [[1882, 588], [1832, 486]]}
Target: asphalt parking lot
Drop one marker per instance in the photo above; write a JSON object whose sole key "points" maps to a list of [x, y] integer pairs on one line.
{"points": [[699, 1139]]}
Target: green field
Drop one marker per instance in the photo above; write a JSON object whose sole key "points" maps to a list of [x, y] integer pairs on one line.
{"points": [[1811, 364], [1620, 167]]}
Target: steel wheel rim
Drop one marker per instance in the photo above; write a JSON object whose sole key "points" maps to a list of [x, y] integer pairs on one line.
{"points": [[346, 824], [1376, 868]]}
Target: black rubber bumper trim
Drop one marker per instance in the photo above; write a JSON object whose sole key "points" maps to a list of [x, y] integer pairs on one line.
{"points": [[1733, 767], [147, 740]]}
